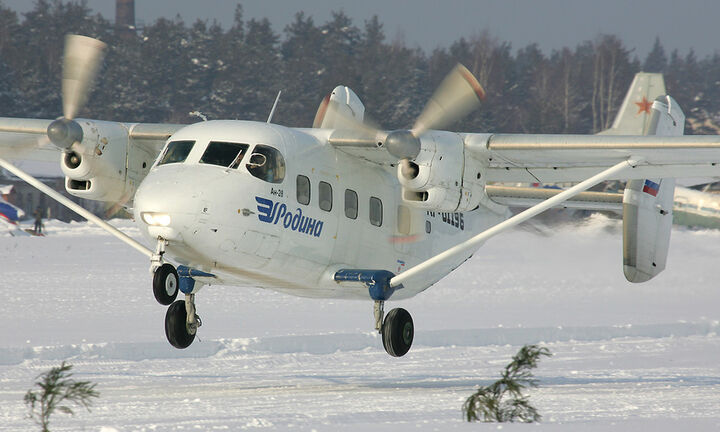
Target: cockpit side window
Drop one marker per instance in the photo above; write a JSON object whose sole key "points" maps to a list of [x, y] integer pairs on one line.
{"points": [[176, 152], [224, 154], [267, 163]]}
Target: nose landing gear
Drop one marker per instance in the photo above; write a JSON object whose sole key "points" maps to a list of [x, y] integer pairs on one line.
{"points": [[181, 320], [165, 284]]}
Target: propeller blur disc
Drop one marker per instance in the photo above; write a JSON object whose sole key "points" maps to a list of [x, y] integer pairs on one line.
{"points": [[458, 94], [83, 56]]}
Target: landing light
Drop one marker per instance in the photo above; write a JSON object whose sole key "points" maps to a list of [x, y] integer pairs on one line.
{"points": [[156, 219]]}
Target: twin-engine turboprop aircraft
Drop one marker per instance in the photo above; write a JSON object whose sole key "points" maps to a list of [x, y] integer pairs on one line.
{"points": [[345, 210]]}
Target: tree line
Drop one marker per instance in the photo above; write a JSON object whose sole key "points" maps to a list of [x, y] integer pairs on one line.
{"points": [[169, 69]]}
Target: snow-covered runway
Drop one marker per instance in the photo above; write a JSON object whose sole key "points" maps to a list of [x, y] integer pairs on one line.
{"points": [[626, 357]]}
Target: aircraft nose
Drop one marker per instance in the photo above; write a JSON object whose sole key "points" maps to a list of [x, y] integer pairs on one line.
{"points": [[162, 206]]}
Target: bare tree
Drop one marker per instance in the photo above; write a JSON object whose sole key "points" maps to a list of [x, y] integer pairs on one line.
{"points": [[612, 72]]}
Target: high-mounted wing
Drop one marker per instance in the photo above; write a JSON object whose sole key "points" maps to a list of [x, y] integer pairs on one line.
{"points": [[26, 139], [107, 163], [573, 158]]}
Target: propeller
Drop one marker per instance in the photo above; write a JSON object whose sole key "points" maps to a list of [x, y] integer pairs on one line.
{"points": [[458, 94], [81, 64]]}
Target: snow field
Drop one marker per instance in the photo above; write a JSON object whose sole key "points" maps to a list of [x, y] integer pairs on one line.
{"points": [[626, 357]]}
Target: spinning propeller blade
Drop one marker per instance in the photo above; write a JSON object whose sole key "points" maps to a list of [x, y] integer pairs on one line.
{"points": [[83, 56], [458, 95]]}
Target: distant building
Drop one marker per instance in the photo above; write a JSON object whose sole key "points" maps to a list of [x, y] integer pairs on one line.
{"points": [[125, 18], [8, 193]]}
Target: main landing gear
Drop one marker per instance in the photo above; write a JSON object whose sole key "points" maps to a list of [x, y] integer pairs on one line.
{"points": [[397, 329]]}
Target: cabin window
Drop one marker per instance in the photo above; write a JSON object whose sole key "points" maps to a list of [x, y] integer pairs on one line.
{"points": [[325, 197], [376, 211], [224, 154], [303, 189], [428, 227], [267, 163], [351, 204], [176, 152]]}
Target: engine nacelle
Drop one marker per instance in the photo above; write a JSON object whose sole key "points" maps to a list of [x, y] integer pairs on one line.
{"points": [[101, 168], [440, 180]]}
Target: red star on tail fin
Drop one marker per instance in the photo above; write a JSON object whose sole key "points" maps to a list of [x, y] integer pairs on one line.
{"points": [[644, 105]]}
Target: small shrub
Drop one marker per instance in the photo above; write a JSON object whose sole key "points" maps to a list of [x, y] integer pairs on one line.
{"points": [[55, 387], [503, 401]]}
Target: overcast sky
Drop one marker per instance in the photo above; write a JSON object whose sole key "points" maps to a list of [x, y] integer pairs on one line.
{"points": [[431, 23]]}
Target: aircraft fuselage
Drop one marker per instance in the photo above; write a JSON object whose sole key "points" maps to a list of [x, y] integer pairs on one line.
{"points": [[251, 231]]}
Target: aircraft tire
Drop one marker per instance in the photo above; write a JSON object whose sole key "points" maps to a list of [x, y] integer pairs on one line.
{"points": [[165, 284], [176, 329], [398, 332]]}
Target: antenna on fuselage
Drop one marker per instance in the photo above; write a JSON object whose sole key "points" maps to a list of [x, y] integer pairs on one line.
{"points": [[272, 111]]}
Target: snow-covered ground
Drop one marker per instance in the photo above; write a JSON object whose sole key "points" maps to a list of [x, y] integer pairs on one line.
{"points": [[626, 357]]}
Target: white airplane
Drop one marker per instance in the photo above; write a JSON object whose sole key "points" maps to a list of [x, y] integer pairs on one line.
{"points": [[344, 210]]}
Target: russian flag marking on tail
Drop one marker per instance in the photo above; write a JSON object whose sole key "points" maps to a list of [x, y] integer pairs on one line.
{"points": [[651, 187]]}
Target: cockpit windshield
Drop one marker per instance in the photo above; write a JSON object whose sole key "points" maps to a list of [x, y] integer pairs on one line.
{"points": [[176, 152], [267, 163], [224, 154]]}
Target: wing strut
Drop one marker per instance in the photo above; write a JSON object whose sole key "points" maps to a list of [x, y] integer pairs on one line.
{"points": [[475, 242], [75, 207]]}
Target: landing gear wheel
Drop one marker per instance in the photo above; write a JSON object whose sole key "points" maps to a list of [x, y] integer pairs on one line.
{"points": [[165, 284], [176, 327], [397, 332]]}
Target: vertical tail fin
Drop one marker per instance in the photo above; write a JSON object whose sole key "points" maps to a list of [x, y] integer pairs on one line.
{"points": [[648, 204], [340, 109], [634, 115]]}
